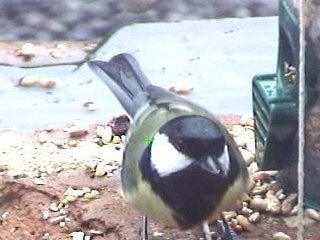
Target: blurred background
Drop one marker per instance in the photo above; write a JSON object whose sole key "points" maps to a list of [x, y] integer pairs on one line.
{"points": [[92, 19]]}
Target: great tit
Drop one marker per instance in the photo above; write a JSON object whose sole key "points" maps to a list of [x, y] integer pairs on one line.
{"points": [[180, 165]]}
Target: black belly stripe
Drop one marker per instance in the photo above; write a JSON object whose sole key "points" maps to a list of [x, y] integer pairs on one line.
{"points": [[193, 193]]}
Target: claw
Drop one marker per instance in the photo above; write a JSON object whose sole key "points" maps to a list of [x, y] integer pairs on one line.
{"points": [[226, 232]]}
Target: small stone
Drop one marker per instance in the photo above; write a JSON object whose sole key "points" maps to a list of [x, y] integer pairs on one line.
{"points": [[281, 196], [313, 214], [246, 211], [40, 181], [87, 237], [62, 224], [53, 207], [254, 217], [4, 215], [92, 195], [77, 131], [45, 215], [27, 51], [46, 235], [100, 170], [77, 235], [57, 219], [116, 140], [281, 236]]}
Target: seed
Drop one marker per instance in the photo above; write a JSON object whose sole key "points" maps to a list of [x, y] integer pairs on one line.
{"points": [[57, 219], [244, 223], [72, 143], [86, 189], [313, 214], [281, 236], [258, 204], [70, 198], [92, 195], [181, 89], [46, 82], [106, 134], [28, 81], [247, 120], [288, 203], [77, 131], [100, 171], [229, 215]]}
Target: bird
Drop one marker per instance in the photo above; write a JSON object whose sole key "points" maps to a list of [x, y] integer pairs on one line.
{"points": [[180, 165]]}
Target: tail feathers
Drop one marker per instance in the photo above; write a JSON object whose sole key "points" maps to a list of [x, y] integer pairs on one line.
{"points": [[123, 75]]}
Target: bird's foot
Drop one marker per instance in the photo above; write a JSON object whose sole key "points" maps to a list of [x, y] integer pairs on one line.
{"points": [[226, 231], [144, 229]]}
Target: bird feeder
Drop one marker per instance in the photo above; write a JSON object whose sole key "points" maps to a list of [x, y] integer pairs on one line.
{"points": [[275, 103]]}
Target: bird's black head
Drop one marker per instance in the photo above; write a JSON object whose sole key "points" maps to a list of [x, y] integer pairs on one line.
{"points": [[195, 136]]}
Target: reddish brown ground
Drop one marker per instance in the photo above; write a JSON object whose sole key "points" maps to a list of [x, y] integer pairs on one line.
{"points": [[24, 201]]}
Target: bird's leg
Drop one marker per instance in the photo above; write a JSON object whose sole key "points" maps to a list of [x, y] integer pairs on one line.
{"points": [[206, 230], [225, 230], [144, 228]]}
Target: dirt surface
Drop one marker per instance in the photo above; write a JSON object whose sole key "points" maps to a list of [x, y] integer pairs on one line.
{"points": [[33, 210]]}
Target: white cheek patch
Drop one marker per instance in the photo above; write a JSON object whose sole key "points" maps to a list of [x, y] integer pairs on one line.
{"points": [[165, 158]]}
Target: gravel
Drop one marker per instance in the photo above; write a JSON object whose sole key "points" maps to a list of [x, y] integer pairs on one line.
{"points": [[87, 20]]}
